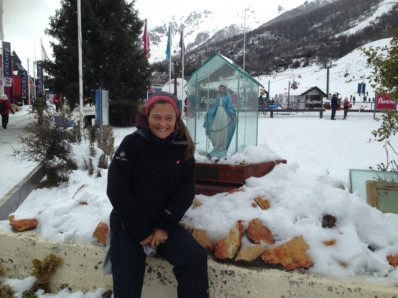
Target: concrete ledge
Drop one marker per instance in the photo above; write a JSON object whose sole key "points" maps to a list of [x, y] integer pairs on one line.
{"points": [[11, 201], [82, 270]]}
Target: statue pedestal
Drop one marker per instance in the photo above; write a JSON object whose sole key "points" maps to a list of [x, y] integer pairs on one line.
{"points": [[212, 178]]}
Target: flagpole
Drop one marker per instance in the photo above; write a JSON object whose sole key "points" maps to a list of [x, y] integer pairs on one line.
{"points": [[42, 73], [29, 86], [79, 37], [182, 65], [2, 49], [169, 47], [244, 42]]}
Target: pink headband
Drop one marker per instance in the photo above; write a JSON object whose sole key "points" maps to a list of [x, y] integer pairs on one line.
{"points": [[162, 96]]}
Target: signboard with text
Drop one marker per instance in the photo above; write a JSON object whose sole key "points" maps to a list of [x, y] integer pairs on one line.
{"points": [[7, 59], [384, 101]]}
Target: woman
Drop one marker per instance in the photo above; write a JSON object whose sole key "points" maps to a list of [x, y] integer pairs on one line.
{"points": [[5, 109], [220, 122], [151, 185]]}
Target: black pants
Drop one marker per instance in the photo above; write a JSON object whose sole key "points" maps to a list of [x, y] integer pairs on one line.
{"points": [[4, 120], [181, 250], [345, 113], [333, 113]]}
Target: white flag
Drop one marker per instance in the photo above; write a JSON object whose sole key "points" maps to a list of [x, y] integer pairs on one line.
{"points": [[44, 55]]}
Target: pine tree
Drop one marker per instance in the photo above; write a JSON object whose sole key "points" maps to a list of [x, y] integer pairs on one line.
{"points": [[113, 58]]}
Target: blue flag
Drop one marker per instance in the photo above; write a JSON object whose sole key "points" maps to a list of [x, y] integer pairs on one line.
{"points": [[168, 49]]}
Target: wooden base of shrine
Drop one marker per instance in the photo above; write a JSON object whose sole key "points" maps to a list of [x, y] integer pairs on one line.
{"points": [[212, 178]]}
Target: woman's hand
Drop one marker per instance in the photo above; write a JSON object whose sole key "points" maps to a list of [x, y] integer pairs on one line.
{"points": [[159, 237], [147, 240]]}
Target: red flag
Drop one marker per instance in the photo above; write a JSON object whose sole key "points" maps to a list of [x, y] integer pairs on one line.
{"points": [[182, 46], [146, 42]]}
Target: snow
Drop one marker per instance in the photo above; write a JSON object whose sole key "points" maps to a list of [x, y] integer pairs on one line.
{"points": [[314, 182], [382, 8]]}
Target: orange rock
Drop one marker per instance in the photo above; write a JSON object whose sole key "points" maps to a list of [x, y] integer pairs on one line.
{"points": [[226, 248], [330, 243], [262, 202], [101, 233], [196, 203], [201, 237], [393, 260], [21, 225], [291, 255], [257, 232], [249, 253]]}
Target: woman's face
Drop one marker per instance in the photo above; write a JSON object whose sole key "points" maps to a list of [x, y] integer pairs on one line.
{"points": [[162, 120], [222, 89]]}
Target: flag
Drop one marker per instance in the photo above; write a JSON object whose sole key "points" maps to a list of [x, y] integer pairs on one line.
{"points": [[182, 46], [44, 55], [168, 49], [1, 20], [146, 42]]}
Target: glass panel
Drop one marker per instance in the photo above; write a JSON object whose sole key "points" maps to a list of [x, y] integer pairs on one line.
{"points": [[388, 201], [358, 180], [222, 108]]}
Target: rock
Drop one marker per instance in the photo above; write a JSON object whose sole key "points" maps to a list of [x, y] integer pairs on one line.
{"points": [[226, 248], [330, 243], [257, 232], [196, 203], [328, 221], [201, 237], [291, 255], [262, 202], [21, 225], [393, 260], [249, 253], [101, 233]]}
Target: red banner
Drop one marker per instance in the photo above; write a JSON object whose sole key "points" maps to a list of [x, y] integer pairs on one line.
{"points": [[384, 101], [145, 38]]}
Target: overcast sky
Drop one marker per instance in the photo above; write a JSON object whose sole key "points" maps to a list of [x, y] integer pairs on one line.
{"points": [[24, 21]]}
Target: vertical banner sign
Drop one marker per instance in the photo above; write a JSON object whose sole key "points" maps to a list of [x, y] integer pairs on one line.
{"points": [[361, 88], [39, 81], [24, 87], [7, 59], [384, 101], [1, 66]]}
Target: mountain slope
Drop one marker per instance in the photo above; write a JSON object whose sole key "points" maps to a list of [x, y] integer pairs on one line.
{"points": [[315, 32]]}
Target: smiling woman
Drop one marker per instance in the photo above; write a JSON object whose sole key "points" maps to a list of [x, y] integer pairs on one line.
{"points": [[151, 184]]}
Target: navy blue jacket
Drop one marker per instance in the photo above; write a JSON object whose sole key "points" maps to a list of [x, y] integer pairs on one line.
{"points": [[150, 185], [335, 103]]}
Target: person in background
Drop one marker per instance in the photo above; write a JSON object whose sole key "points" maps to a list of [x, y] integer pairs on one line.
{"points": [[220, 122], [151, 184], [334, 106], [5, 109], [140, 120], [346, 106], [261, 100], [57, 100]]}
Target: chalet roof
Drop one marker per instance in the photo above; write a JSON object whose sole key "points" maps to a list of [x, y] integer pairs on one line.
{"points": [[313, 89], [218, 65]]}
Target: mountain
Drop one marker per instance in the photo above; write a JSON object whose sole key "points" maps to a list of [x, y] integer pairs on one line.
{"points": [[316, 32]]}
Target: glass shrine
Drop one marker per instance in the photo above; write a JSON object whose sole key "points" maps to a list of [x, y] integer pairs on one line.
{"points": [[222, 108]]}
